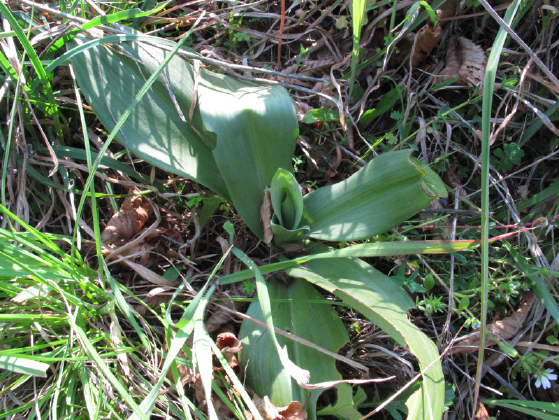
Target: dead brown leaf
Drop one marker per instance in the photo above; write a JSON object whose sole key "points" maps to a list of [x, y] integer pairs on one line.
{"points": [[454, 180], [219, 317], [430, 35], [294, 411], [482, 413], [466, 61], [505, 328], [133, 214], [426, 39], [266, 217], [154, 298]]}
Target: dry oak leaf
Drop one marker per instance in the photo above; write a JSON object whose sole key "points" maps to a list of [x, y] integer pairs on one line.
{"points": [[294, 411], [133, 214], [466, 61], [505, 328], [430, 35]]}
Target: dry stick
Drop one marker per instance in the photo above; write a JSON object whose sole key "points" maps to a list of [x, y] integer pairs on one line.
{"points": [[502, 381], [514, 36], [451, 280], [282, 24], [473, 379]]}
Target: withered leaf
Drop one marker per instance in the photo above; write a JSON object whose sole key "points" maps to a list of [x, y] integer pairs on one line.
{"points": [[482, 413], [294, 411], [426, 39], [133, 214], [266, 216], [505, 328], [466, 61], [430, 35]]}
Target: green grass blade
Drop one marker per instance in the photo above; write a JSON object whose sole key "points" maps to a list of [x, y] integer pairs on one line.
{"points": [[490, 72], [532, 408], [108, 19], [357, 13], [383, 249], [88, 346], [24, 366], [234, 378], [37, 65]]}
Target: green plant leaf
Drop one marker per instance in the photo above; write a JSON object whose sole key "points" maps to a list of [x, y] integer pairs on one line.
{"points": [[255, 130], [539, 286], [532, 408], [300, 375], [287, 200], [316, 322], [386, 103], [375, 249], [110, 78], [283, 236], [385, 304], [357, 14], [344, 407], [388, 190], [321, 115], [24, 366]]}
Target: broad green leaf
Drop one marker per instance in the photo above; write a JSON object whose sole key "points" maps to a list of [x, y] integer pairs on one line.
{"points": [[287, 200], [24, 366], [318, 323], [110, 77], [301, 376], [387, 191], [255, 131], [380, 300]]}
